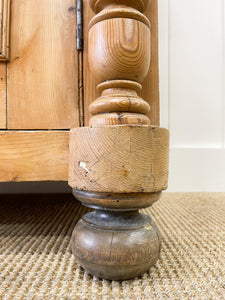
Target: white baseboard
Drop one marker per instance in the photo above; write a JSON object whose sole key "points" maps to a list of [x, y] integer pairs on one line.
{"points": [[197, 170]]}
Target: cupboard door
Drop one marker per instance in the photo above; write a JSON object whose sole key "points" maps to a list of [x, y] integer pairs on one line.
{"points": [[43, 73], [4, 56], [2, 95]]}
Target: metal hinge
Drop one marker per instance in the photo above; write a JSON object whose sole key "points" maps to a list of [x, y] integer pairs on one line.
{"points": [[79, 30]]}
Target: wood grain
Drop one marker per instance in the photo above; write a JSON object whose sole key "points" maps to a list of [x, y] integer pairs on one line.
{"points": [[119, 46], [33, 156], [116, 245], [89, 87], [118, 164], [150, 91], [120, 97], [42, 74], [119, 104], [119, 118], [3, 92], [98, 5], [4, 29], [119, 159], [150, 85]]}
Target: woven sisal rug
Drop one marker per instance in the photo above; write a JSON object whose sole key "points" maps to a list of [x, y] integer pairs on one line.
{"points": [[36, 260]]}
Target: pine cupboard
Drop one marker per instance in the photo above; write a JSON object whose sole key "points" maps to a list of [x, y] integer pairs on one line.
{"points": [[46, 85]]}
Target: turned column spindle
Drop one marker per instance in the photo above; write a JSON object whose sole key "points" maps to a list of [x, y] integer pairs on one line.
{"points": [[119, 164], [119, 57]]}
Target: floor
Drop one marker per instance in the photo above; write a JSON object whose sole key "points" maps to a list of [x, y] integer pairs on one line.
{"points": [[36, 260]]}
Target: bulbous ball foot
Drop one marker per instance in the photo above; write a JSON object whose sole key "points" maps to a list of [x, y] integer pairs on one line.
{"points": [[116, 245]]}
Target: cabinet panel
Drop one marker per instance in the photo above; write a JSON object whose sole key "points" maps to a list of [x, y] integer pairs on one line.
{"points": [[150, 90], [2, 95], [4, 29], [42, 73], [33, 155], [150, 86]]}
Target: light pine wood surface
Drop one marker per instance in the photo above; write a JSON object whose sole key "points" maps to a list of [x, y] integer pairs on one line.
{"points": [[4, 29], [99, 5], [150, 85], [119, 159], [43, 88], [33, 155], [128, 40], [3, 95], [120, 156], [42, 73], [89, 90]]}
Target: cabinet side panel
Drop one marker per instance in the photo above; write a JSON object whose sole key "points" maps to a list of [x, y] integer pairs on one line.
{"points": [[3, 93], [89, 88], [150, 86], [33, 156], [150, 91], [42, 73]]}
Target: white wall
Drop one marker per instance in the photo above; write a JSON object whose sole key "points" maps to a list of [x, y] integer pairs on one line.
{"points": [[192, 91]]}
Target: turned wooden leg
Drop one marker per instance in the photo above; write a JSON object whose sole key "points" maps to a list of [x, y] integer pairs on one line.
{"points": [[119, 164]]}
